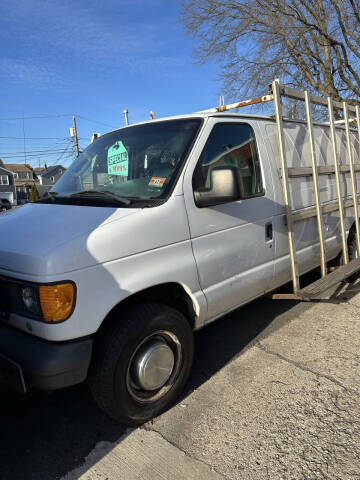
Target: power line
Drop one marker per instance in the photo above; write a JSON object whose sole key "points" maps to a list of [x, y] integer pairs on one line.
{"points": [[37, 138], [47, 154], [34, 151], [37, 116], [33, 147], [96, 121], [57, 116], [66, 150], [36, 147]]}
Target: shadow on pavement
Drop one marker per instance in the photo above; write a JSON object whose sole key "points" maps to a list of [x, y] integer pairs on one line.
{"points": [[43, 436], [223, 340]]}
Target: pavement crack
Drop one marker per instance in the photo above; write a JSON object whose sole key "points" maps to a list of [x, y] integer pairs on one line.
{"points": [[349, 302], [301, 366], [148, 429]]}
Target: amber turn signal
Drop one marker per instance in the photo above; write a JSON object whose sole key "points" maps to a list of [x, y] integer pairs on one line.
{"points": [[57, 301]]}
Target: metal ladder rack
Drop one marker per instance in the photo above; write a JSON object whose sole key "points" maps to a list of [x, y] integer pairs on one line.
{"points": [[348, 268]]}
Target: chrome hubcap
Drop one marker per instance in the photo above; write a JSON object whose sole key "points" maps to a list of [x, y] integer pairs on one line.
{"points": [[152, 365]]}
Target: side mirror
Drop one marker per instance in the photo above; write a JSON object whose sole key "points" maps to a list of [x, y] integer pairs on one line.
{"points": [[225, 187]]}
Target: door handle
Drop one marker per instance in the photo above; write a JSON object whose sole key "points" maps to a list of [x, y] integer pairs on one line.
{"points": [[268, 232]]}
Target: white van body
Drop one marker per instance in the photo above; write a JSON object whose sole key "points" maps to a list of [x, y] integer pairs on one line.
{"points": [[216, 258]]}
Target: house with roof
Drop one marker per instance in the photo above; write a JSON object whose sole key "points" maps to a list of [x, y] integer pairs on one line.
{"points": [[24, 177], [7, 185], [48, 176]]}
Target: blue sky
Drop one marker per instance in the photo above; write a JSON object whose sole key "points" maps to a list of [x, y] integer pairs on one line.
{"points": [[93, 59]]}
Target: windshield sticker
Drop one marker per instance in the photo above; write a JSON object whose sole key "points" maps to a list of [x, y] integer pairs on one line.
{"points": [[157, 181], [118, 159]]}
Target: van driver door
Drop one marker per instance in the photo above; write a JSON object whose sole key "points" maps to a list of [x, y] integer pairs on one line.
{"points": [[233, 243]]}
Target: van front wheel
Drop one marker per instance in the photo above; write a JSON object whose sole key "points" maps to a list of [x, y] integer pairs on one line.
{"points": [[141, 363]]}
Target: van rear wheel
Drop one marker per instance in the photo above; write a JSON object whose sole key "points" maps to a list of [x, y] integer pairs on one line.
{"points": [[352, 251], [141, 363]]}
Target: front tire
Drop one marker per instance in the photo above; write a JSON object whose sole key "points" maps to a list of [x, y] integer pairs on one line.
{"points": [[141, 363]]}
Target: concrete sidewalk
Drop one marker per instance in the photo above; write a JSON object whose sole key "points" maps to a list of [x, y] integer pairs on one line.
{"points": [[286, 407]]}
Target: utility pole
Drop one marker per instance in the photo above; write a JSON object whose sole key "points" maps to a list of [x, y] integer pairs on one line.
{"points": [[126, 113], [75, 137]]}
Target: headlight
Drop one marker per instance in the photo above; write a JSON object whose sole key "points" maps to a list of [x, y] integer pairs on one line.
{"points": [[30, 299], [50, 303]]}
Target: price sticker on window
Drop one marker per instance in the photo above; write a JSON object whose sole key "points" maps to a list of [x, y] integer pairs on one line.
{"points": [[157, 181]]}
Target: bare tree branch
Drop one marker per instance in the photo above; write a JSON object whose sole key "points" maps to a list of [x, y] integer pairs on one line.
{"points": [[312, 44]]}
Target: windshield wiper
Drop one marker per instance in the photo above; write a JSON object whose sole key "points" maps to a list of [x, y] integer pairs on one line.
{"points": [[48, 196], [102, 193]]}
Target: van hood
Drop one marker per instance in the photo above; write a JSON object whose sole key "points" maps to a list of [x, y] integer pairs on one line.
{"points": [[43, 239]]}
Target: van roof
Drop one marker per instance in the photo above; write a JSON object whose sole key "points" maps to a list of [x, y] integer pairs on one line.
{"points": [[200, 114]]}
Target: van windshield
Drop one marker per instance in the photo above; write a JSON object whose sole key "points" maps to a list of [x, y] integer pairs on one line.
{"points": [[136, 162]]}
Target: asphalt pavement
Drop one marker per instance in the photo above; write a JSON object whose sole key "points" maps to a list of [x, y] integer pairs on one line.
{"points": [[274, 394]]}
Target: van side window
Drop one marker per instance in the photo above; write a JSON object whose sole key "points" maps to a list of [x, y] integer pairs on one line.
{"points": [[231, 144]]}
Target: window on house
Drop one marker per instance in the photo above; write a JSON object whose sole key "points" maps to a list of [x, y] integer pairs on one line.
{"points": [[4, 180], [234, 145], [24, 175]]}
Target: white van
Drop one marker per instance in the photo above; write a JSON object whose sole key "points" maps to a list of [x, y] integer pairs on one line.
{"points": [[155, 230]]}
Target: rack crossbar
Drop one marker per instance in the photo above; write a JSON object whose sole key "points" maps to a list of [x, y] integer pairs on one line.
{"points": [[294, 172], [315, 99], [304, 213], [242, 103]]}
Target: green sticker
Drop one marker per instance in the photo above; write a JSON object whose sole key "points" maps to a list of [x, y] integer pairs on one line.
{"points": [[29, 326], [118, 159]]}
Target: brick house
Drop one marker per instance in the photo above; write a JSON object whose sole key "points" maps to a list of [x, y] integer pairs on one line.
{"points": [[7, 185]]}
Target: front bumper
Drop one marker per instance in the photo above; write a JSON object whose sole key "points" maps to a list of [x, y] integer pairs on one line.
{"points": [[27, 361]]}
